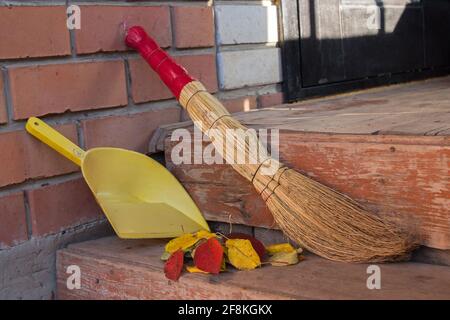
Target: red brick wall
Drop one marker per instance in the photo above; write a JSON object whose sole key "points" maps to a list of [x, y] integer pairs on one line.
{"points": [[95, 91], [86, 84]]}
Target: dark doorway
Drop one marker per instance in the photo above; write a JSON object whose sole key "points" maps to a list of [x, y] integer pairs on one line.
{"points": [[336, 45]]}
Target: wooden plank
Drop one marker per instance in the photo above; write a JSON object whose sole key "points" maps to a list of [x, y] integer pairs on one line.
{"points": [[420, 108], [156, 142], [388, 148], [400, 177], [131, 269], [408, 182], [432, 120], [414, 109]]}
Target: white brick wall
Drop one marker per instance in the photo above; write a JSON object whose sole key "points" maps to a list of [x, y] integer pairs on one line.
{"points": [[242, 30], [249, 67], [238, 24]]}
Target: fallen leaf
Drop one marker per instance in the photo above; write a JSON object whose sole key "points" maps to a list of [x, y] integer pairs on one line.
{"points": [[203, 234], [242, 255], [174, 265], [183, 242], [257, 245], [281, 259], [194, 269], [208, 256], [188, 240], [280, 247]]}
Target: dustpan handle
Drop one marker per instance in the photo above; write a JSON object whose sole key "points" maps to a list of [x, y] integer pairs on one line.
{"points": [[55, 140]]}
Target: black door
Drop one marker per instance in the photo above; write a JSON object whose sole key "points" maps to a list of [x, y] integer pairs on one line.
{"points": [[357, 41]]}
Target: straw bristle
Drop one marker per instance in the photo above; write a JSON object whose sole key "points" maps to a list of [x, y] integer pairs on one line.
{"points": [[333, 225], [317, 217]]}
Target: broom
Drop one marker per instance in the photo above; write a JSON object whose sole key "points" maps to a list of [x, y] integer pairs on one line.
{"points": [[318, 218]]}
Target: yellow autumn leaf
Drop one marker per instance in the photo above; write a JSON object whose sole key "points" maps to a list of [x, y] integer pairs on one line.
{"points": [[186, 241], [194, 269], [203, 234], [281, 259], [280, 247], [183, 242], [242, 255]]}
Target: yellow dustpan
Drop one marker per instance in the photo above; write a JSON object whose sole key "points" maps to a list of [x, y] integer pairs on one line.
{"points": [[140, 197]]}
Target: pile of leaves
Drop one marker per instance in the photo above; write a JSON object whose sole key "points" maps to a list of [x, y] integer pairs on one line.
{"points": [[211, 253]]}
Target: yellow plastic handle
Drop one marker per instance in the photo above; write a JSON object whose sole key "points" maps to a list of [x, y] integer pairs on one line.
{"points": [[55, 140]]}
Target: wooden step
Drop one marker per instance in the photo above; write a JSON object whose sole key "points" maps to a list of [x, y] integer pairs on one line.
{"points": [[389, 148], [112, 268]]}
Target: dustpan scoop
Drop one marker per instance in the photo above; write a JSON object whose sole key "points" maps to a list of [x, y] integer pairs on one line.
{"points": [[139, 196]]}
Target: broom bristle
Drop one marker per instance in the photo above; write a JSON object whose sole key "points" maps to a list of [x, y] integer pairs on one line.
{"points": [[315, 216], [333, 225]]}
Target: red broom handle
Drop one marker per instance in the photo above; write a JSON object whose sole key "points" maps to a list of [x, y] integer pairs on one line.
{"points": [[172, 74]]}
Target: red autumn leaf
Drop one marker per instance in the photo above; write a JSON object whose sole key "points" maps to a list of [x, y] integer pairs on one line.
{"points": [[208, 256], [256, 244], [174, 265]]}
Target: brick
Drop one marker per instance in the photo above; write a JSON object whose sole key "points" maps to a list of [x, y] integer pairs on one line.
{"points": [[193, 27], [13, 226], [27, 158], [45, 89], [33, 31], [129, 131], [239, 24], [146, 85], [102, 29], [271, 99], [3, 115], [56, 207], [202, 67], [249, 67], [240, 104]]}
